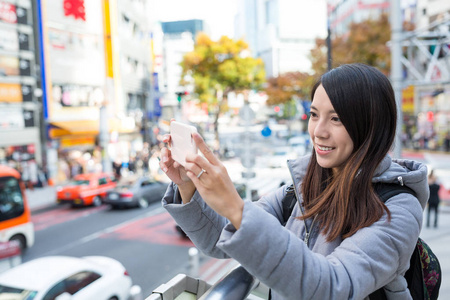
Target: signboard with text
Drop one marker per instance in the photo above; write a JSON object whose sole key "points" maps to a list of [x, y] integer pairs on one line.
{"points": [[9, 39], [8, 12], [10, 92]]}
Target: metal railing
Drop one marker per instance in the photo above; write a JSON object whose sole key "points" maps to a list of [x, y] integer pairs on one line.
{"points": [[237, 284]]}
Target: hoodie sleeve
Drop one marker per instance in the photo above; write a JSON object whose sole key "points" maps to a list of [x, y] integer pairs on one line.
{"points": [[371, 258], [202, 224]]}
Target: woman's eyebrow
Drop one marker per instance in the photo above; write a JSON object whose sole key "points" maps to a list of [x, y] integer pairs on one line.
{"points": [[331, 111]]}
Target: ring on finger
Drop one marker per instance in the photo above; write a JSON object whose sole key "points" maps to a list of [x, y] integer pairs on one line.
{"points": [[201, 172]]}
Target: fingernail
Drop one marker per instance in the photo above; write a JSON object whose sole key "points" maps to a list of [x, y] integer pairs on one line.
{"points": [[164, 169], [165, 159]]}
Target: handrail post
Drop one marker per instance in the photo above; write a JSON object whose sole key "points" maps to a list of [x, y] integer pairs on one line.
{"points": [[194, 262]]}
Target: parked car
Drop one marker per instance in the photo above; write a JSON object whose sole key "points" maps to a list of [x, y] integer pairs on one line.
{"points": [[86, 189], [135, 191], [299, 144], [280, 156], [65, 277]]}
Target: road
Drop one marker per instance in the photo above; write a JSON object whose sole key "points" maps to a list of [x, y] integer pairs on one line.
{"points": [[146, 243], [143, 240]]}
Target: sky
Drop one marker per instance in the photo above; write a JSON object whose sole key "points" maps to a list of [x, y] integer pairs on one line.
{"points": [[218, 14]]}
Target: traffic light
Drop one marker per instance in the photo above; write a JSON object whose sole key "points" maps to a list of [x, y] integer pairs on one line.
{"points": [[179, 94]]}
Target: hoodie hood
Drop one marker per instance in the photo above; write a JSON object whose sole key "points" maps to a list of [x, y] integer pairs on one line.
{"points": [[411, 173]]}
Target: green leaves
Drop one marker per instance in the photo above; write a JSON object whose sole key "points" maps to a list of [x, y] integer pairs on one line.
{"points": [[223, 66]]}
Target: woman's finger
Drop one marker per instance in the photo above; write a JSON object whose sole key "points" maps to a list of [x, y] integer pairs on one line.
{"points": [[195, 163], [193, 167], [209, 155], [195, 178], [165, 155]]}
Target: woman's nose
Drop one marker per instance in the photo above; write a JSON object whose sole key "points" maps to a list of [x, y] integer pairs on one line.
{"points": [[321, 129]]}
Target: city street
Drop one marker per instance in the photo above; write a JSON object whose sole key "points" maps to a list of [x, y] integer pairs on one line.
{"points": [[118, 245], [143, 240], [91, 87], [439, 241]]}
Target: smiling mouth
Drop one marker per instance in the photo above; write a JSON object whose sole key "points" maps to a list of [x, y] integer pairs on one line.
{"points": [[322, 148]]}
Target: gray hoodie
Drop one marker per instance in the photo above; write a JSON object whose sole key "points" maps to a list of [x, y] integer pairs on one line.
{"points": [[373, 257]]}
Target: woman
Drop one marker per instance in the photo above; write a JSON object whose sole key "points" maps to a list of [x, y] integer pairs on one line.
{"points": [[343, 243]]}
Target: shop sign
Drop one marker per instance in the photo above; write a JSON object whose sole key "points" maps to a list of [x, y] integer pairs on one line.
{"points": [[9, 39], [76, 95], [8, 12], [25, 67], [28, 117], [26, 93], [408, 99], [22, 15], [11, 117], [10, 92], [24, 41], [75, 8], [9, 66], [70, 142]]}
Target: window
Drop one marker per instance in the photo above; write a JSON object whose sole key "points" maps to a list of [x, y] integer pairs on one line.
{"points": [[55, 291], [80, 280], [102, 181], [11, 201], [15, 293], [72, 284]]}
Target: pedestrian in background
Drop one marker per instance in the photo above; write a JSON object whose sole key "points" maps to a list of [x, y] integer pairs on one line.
{"points": [[341, 241], [434, 200]]}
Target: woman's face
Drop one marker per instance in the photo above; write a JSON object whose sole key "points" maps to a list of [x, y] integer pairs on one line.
{"points": [[331, 140]]}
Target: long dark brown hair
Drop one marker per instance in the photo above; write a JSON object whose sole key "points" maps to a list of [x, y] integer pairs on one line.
{"points": [[345, 202]]}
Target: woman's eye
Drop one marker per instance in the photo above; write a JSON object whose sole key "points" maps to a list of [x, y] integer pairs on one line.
{"points": [[336, 119], [312, 114]]}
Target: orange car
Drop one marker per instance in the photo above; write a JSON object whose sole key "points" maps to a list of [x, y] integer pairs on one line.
{"points": [[86, 189]]}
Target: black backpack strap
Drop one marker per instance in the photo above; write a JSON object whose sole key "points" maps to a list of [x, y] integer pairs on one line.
{"points": [[386, 191], [389, 190], [288, 203], [383, 190]]}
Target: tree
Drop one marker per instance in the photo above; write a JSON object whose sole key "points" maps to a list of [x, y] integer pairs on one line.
{"points": [[283, 88], [218, 68], [366, 43]]}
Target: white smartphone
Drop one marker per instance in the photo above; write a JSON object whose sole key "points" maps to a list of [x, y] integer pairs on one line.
{"points": [[182, 141]]}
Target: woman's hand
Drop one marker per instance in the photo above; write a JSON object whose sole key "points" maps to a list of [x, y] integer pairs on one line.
{"points": [[176, 172], [211, 179]]}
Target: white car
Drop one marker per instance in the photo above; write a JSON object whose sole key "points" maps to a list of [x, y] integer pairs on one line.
{"points": [[65, 277], [280, 156]]}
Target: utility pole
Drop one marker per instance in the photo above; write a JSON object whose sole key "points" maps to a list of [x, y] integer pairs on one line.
{"points": [[396, 70], [329, 57]]}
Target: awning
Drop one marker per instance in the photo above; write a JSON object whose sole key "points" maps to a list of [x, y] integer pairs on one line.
{"points": [[86, 127], [79, 127]]}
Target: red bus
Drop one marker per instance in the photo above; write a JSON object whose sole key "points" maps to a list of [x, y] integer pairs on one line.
{"points": [[15, 215]]}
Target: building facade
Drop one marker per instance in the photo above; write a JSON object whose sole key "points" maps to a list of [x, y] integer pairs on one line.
{"points": [[178, 39], [97, 60], [282, 33], [20, 90]]}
